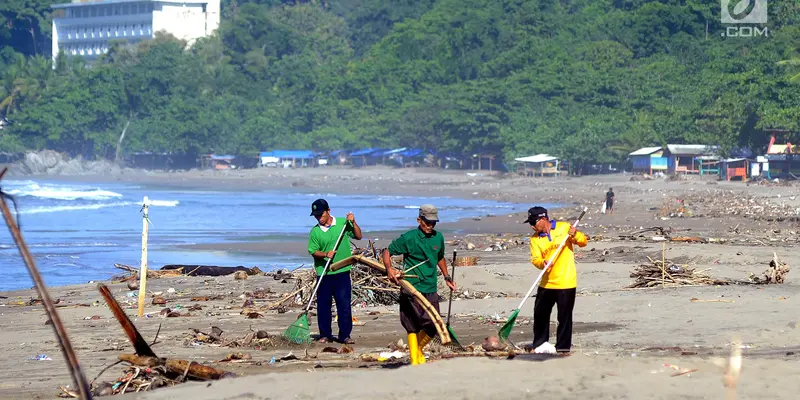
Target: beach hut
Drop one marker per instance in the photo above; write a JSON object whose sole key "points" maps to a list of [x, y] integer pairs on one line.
{"points": [[735, 168], [540, 164], [221, 162], [648, 159], [682, 158]]}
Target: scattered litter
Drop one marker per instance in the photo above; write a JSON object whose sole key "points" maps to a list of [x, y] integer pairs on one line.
{"points": [[41, 357]]}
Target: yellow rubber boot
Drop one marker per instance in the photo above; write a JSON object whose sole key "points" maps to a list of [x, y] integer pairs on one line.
{"points": [[423, 339], [413, 348]]}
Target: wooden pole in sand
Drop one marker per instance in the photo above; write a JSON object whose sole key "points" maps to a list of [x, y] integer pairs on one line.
{"points": [[663, 267], [143, 269]]}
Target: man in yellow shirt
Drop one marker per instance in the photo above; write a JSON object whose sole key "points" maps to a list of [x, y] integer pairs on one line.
{"points": [[558, 285]]}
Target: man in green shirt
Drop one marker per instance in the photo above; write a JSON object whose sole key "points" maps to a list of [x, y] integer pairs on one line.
{"points": [[335, 285], [422, 249]]}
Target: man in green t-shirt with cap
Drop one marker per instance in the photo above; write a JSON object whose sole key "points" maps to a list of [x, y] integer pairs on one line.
{"points": [[335, 285], [423, 249]]}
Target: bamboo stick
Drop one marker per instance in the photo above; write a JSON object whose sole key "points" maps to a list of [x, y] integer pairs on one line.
{"points": [[143, 269], [419, 298]]}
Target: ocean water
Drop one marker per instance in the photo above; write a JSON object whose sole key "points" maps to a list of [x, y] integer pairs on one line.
{"points": [[77, 232]]}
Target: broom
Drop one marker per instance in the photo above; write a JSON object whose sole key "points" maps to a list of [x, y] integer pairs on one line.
{"points": [[505, 331], [299, 332], [450, 303]]}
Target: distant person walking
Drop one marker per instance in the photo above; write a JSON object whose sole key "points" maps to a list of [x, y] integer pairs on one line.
{"points": [[335, 285], [610, 201]]}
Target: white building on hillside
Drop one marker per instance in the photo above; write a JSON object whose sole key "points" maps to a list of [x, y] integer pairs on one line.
{"points": [[85, 27]]}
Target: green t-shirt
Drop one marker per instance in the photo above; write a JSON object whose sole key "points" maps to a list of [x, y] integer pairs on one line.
{"points": [[417, 248], [319, 240]]}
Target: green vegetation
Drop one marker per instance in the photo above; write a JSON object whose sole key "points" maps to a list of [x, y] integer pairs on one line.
{"points": [[588, 80]]}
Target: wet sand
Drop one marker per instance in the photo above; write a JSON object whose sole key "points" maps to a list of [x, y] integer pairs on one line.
{"points": [[623, 337]]}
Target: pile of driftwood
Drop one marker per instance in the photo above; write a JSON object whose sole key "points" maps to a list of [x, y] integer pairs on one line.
{"points": [[370, 288], [665, 273], [776, 273]]}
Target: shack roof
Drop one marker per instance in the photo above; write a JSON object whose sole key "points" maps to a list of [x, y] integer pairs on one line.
{"points": [[539, 158], [691, 149], [645, 151]]}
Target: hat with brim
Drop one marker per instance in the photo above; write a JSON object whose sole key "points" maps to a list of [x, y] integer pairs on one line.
{"points": [[535, 214], [429, 212], [318, 207]]}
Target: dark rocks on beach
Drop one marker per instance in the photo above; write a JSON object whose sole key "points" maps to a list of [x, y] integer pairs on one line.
{"points": [[133, 284], [262, 334], [158, 301]]}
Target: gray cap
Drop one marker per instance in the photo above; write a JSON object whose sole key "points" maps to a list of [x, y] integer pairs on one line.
{"points": [[429, 212]]}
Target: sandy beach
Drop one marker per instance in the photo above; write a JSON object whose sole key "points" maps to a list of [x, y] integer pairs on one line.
{"points": [[628, 342]]}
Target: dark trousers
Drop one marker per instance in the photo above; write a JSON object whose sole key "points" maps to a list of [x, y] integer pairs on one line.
{"points": [[413, 317], [335, 287], [545, 300]]}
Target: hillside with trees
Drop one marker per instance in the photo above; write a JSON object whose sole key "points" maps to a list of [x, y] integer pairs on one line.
{"points": [[587, 80]]}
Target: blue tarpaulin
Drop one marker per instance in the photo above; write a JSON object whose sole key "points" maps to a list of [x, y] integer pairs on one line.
{"points": [[366, 152], [216, 157], [297, 154]]}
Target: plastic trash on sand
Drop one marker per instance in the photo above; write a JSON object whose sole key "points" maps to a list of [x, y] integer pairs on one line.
{"points": [[386, 355], [41, 357], [545, 348]]}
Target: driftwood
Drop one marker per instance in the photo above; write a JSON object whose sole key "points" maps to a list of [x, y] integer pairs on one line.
{"points": [[419, 298], [151, 274], [776, 273], [663, 273], [209, 270], [175, 366], [145, 357]]}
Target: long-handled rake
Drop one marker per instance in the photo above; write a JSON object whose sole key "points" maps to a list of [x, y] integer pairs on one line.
{"points": [[505, 330], [299, 332]]}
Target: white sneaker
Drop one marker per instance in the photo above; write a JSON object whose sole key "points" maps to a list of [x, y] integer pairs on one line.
{"points": [[545, 348]]}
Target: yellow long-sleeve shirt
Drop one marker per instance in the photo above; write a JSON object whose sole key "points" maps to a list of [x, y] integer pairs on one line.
{"points": [[562, 274]]}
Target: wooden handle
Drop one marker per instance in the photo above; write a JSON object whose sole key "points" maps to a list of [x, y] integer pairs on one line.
{"points": [[418, 297]]}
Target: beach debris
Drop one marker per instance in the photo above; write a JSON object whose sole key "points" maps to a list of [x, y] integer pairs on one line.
{"points": [[208, 270], [41, 357], [663, 273], [680, 371], [493, 343], [159, 300], [240, 275], [133, 284], [133, 274], [234, 357], [775, 273], [148, 370], [387, 356]]}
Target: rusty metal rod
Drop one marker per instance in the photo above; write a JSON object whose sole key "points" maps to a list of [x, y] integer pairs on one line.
{"points": [[61, 333]]}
